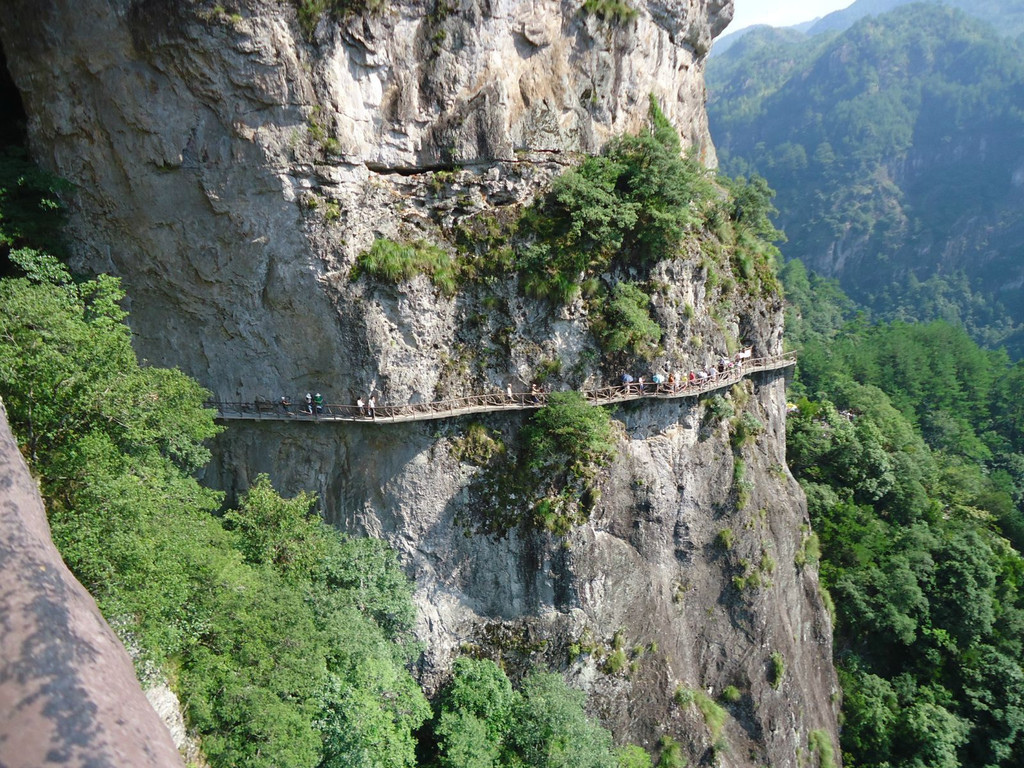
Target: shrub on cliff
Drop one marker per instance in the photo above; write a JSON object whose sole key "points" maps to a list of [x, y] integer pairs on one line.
{"points": [[633, 203], [565, 444], [626, 324], [393, 262]]}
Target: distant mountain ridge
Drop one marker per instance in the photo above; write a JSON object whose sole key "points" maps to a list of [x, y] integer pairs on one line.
{"points": [[897, 151], [1007, 16]]}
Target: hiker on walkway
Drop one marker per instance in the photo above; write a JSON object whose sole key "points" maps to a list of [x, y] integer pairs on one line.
{"points": [[371, 407], [309, 402], [319, 400], [285, 403], [508, 392], [535, 393], [361, 406], [626, 381]]}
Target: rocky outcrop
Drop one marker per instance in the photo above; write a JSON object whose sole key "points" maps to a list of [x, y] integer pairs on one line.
{"points": [[231, 165], [68, 692], [651, 566], [231, 170]]}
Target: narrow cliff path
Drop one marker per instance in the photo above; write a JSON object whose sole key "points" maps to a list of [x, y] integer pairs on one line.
{"points": [[266, 410]]}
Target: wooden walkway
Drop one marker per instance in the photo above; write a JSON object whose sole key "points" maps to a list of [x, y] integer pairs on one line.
{"points": [[265, 410]]}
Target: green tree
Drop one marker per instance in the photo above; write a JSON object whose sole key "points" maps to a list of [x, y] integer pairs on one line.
{"points": [[627, 323], [278, 532], [552, 730], [476, 715]]}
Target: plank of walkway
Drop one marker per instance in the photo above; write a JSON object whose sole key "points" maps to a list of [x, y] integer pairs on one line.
{"points": [[392, 414]]}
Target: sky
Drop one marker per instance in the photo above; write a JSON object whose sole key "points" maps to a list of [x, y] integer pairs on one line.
{"points": [[781, 13]]}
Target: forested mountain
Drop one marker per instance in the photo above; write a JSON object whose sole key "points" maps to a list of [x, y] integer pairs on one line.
{"points": [[907, 439], [897, 151], [1007, 16]]}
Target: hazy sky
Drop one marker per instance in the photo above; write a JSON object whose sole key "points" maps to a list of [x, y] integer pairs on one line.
{"points": [[781, 13]]}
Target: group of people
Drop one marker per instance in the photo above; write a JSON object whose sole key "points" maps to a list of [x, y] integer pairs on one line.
{"points": [[675, 382], [314, 404], [367, 408], [658, 383], [533, 397]]}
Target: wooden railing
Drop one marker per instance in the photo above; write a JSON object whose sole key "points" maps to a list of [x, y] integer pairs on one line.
{"points": [[268, 410]]}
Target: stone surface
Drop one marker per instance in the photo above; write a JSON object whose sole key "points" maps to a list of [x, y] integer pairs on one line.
{"points": [[68, 692], [231, 169]]}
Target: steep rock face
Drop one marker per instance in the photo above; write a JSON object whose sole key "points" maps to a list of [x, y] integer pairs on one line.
{"points": [[258, 165], [68, 693], [650, 566], [231, 169]]}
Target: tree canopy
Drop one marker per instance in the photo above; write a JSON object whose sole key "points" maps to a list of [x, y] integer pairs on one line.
{"points": [[907, 445]]}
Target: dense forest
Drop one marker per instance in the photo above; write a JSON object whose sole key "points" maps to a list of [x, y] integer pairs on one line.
{"points": [[895, 149], [908, 440], [892, 144]]}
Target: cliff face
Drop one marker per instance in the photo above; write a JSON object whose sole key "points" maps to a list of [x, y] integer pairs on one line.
{"points": [[231, 167], [258, 165], [68, 693]]}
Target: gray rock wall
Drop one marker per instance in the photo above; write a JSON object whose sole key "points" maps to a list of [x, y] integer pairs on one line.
{"points": [[648, 564], [231, 171]]}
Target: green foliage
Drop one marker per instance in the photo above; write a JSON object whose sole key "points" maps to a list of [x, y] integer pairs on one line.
{"points": [[616, 11], [565, 444], [632, 756], [898, 456], [627, 325], [725, 538], [477, 446], [739, 472], [683, 696], [571, 433], [289, 643], [552, 730], [394, 262], [731, 694], [778, 670], [616, 661], [483, 723], [718, 408], [278, 532], [475, 715], [713, 714], [31, 212], [819, 742], [827, 118], [311, 11], [809, 552], [633, 204], [671, 753], [745, 429], [372, 705]]}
